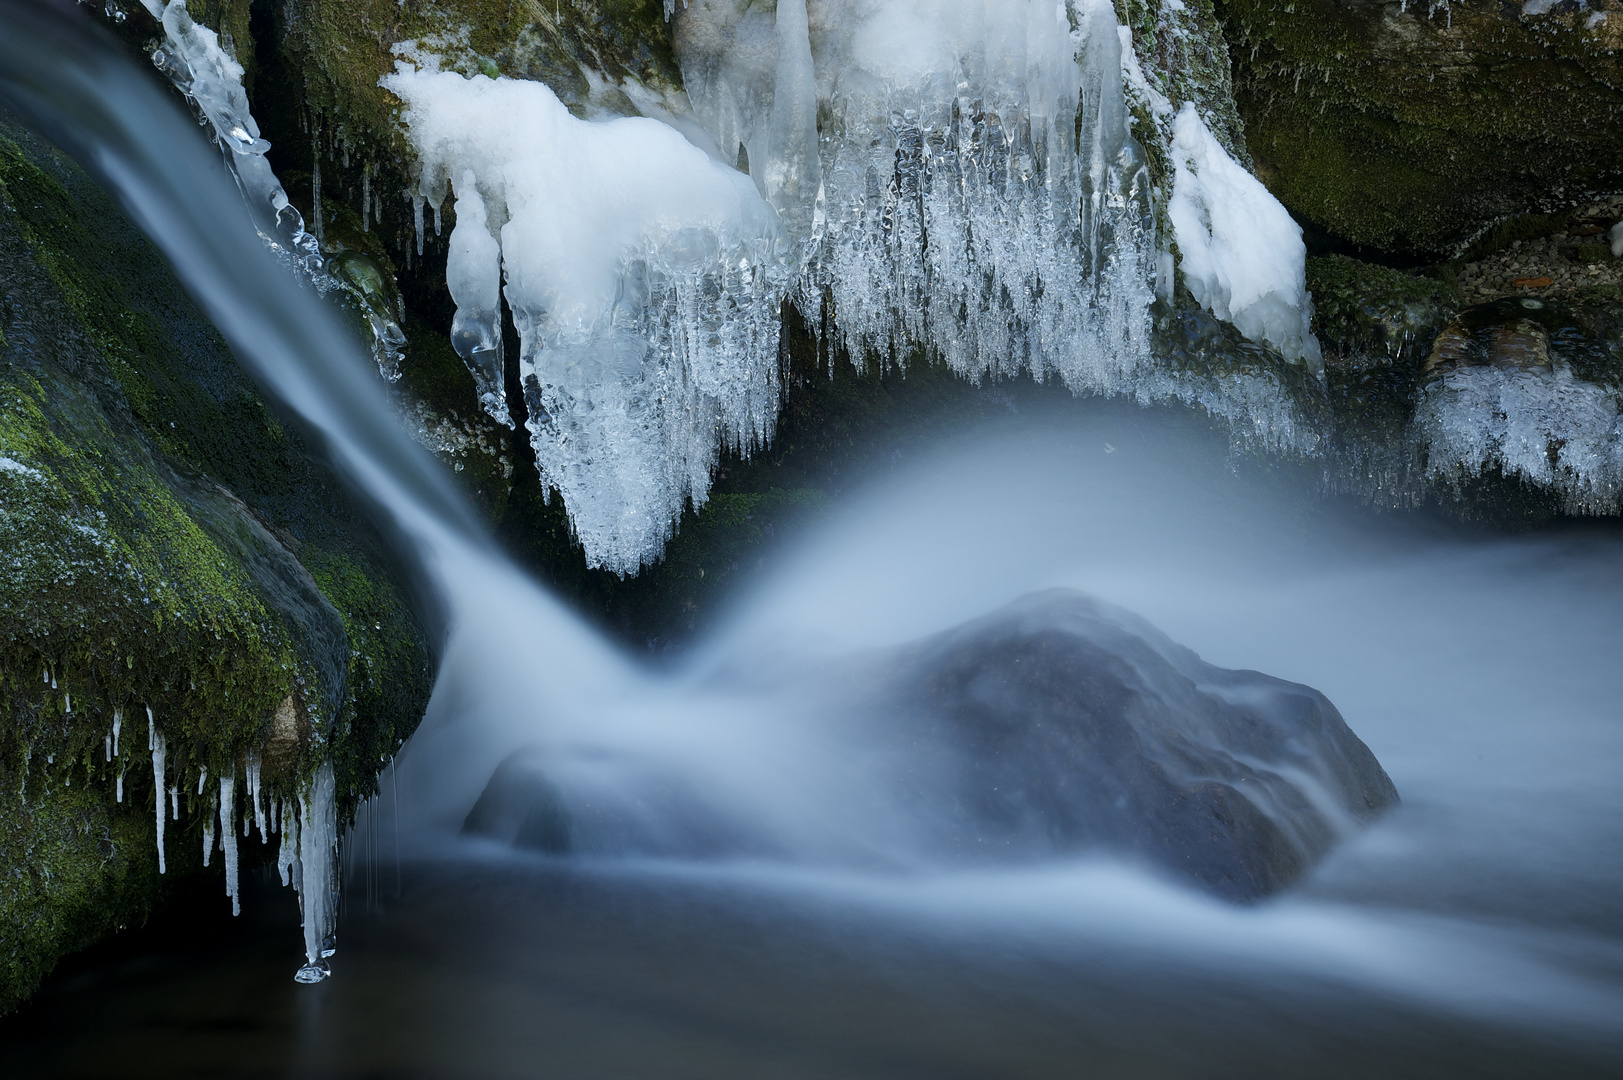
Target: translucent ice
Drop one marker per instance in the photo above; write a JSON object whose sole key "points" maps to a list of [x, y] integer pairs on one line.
{"points": [[228, 837], [1243, 256], [159, 747], [318, 873], [1547, 426], [644, 279], [256, 799], [191, 57], [473, 274]]}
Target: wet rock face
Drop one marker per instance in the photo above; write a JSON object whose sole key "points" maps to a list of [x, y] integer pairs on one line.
{"points": [[1412, 127], [1055, 727]]}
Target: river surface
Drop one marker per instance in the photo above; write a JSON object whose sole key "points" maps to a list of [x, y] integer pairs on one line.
{"points": [[1476, 930]]}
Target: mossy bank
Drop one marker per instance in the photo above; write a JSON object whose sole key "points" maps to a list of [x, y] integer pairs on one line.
{"points": [[170, 544]]}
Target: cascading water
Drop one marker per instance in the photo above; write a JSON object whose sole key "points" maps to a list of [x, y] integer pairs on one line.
{"points": [[1485, 910], [77, 87]]}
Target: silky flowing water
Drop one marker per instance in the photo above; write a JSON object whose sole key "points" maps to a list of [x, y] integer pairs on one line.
{"points": [[1477, 929]]}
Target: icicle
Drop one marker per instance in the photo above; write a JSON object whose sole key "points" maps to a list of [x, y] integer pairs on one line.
{"points": [[208, 839], [318, 858], [174, 801], [202, 777], [119, 797], [159, 749], [228, 838], [67, 697], [255, 793], [53, 680], [118, 722], [315, 188], [417, 221], [287, 854], [107, 745]]}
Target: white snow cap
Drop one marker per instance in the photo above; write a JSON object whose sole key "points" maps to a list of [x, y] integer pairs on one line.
{"points": [[1243, 256], [644, 279]]}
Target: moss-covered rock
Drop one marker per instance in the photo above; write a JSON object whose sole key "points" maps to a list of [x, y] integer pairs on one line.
{"points": [[169, 545], [1413, 127]]}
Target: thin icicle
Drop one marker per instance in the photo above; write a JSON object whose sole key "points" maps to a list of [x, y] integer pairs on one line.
{"points": [[118, 722], [107, 744], [159, 750], [174, 800], [120, 789], [288, 854], [315, 187], [228, 838], [255, 799], [208, 839]]}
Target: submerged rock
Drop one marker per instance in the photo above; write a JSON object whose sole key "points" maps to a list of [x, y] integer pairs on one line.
{"points": [[1070, 725], [1056, 726]]}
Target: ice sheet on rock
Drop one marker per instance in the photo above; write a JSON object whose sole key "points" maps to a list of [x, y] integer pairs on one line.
{"points": [[1243, 256], [1553, 429], [644, 280]]}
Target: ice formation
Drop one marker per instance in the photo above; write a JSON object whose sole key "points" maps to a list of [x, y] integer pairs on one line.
{"points": [[644, 279], [159, 746], [1546, 426], [192, 58], [228, 838], [318, 873], [256, 799], [1243, 256], [979, 193], [954, 174]]}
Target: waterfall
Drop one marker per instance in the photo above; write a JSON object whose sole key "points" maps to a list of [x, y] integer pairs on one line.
{"points": [[70, 82]]}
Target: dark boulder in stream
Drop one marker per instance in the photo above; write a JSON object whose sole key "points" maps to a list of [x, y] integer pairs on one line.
{"points": [[1055, 726], [1071, 725]]}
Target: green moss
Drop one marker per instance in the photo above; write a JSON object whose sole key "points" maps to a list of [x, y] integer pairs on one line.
{"points": [[151, 507], [1413, 129], [1363, 308], [390, 672]]}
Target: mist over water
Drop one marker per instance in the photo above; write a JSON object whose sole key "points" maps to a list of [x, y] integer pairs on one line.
{"points": [[1482, 673]]}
